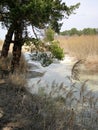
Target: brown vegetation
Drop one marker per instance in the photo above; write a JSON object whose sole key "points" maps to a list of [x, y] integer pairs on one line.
{"points": [[82, 47], [21, 110]]}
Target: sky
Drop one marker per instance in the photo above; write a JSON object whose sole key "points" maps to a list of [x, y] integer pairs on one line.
{"points": [[86, 16]]}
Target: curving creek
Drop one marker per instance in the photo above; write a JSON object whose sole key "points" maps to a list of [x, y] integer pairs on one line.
{"points": [[58, 72]]}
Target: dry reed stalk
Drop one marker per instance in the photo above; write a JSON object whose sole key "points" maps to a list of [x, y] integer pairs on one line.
{"points": [[79, 46]]}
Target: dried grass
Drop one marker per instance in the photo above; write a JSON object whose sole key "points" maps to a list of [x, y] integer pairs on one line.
{"points": [[17, 79], [65, 111], [44, 112], [80, 46], [78, 104]]}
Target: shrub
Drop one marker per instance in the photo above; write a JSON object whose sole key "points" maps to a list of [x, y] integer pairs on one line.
{"points": [[56, 50], [49, 35], [45, 58]]}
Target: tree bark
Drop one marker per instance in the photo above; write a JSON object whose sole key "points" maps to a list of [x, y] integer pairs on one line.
{"points": [[8, 39], [18, 42]]}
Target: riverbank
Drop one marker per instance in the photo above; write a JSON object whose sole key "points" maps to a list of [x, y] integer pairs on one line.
{"points": [[21, 110], [25, 105]]}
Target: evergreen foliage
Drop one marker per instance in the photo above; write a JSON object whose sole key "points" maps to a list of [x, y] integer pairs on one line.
{"points": [[38, 13], [56, 50], [17, 15], [85, 31], [49, 35]]}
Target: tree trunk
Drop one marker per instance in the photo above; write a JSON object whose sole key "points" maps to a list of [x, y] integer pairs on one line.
{"points": [[8, 39], [18, 42]]}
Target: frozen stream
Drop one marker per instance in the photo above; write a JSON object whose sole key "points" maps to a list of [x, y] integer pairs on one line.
{"points": [[58, 72]]}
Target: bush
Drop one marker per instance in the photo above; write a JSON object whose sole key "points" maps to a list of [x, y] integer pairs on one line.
{"points": [[45, 58], [56, 50], [49, 35]]}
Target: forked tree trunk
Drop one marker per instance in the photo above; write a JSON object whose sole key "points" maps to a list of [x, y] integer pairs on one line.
{"points": [[8, 40], [18, 42]]}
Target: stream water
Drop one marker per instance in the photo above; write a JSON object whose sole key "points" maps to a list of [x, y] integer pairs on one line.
{"points": [[59, 72]]}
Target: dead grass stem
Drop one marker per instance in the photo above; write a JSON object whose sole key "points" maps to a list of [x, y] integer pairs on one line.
{"points": [[80, 46]]}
